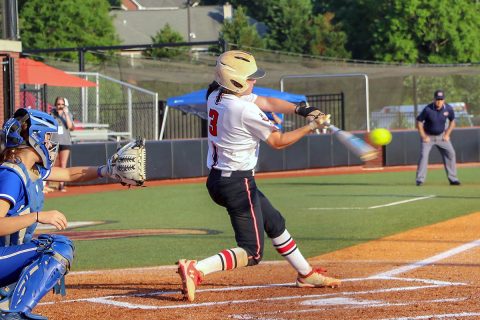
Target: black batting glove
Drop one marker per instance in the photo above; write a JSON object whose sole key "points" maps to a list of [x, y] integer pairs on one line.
{"points": [[303, 110]]}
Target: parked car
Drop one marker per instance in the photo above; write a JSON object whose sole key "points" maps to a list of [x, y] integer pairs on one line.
{"points": [[403, 117]]}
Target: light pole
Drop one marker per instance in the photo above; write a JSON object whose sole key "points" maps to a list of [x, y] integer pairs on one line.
{"points": [[190, 4], [188, 19]]}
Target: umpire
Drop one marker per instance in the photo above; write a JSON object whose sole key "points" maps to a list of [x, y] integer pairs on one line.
{"points": [[431, 127]]}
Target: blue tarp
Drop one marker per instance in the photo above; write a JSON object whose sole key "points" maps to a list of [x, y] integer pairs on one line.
{"points": [[195, 102]]}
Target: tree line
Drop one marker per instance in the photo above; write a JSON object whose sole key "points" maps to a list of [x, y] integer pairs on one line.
{"points": [[403, 31]]}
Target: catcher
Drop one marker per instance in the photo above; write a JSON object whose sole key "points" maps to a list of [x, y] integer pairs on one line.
{"points": [[30, 267]]}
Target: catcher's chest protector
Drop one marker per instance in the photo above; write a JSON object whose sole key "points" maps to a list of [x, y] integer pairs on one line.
{"points": [[34, 202]]}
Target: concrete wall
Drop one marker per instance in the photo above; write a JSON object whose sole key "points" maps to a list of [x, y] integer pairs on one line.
{"points": [[405, 147], [186, 158]]}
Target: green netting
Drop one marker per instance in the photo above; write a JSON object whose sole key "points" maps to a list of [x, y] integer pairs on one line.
{"points": [[389, 84]]}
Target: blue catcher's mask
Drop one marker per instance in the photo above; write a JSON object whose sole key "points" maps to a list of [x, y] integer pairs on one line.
{"points": [[42, 134]]}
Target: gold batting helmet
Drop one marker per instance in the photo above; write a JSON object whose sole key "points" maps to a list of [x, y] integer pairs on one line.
{"points": [[234, 67]]}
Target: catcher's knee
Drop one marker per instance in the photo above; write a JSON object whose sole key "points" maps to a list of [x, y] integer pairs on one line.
{"points": [[61, 247]]}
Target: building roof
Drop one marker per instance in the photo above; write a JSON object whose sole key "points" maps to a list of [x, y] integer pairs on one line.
{"points": [[137, 27], [155, 4]]}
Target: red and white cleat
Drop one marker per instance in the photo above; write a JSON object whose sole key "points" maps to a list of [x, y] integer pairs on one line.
{"points": [[317, 279], [191, 278]]}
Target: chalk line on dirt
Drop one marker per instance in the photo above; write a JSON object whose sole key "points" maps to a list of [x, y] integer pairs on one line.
{"points": [[378, 206], [428, 261]]}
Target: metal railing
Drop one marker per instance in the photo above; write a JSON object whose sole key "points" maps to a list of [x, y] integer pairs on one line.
{"points": [[182, 125], [127, 109], [333, 104]]}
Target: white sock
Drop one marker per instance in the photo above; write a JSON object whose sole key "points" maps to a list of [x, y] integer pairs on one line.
{"points": [[286, 246], [225, 260]]}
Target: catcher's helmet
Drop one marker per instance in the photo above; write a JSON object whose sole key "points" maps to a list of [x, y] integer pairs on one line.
{"points": [[40, 125], [234, 67]]}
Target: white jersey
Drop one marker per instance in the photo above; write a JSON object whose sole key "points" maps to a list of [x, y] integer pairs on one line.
{"points": [[235, 128], [249, 97]]}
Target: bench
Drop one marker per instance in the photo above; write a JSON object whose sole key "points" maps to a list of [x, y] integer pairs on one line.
{"points": [[89, 135], [119, 136]]}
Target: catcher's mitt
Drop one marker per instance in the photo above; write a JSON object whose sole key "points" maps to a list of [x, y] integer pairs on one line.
{"points": [[128, 164]]}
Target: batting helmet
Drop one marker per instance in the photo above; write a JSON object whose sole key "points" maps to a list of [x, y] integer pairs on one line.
{"points": [[39, 124], [234, 68]]}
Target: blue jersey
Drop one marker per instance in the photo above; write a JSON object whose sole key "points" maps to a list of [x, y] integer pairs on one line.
{"points": [[434, 120], [24, 195]]}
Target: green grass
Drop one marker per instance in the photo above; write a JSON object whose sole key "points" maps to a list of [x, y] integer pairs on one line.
{"points": [[315, 231]]}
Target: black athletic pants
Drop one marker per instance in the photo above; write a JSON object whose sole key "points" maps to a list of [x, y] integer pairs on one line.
{"points": [[250, 211]]}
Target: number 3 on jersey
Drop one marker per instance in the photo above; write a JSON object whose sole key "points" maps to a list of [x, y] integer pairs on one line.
{"points": [[212, 127]]}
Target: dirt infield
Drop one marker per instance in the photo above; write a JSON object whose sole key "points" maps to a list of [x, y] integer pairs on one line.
{"points": [[426, 273]]}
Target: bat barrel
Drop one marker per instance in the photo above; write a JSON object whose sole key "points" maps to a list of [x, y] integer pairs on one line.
{"points": [[369, 155], [356, 145]]}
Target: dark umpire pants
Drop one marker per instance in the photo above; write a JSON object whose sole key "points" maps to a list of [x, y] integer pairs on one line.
{"points": [[251, 213]]}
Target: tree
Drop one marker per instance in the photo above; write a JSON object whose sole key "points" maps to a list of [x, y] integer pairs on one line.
{"points": [[293, 27], [410, 31], [240, 32], [328, 40], [166, 35], [255, 9], [288, 23], [115, 3], [434, 31], [357, 18], [66, 24]]}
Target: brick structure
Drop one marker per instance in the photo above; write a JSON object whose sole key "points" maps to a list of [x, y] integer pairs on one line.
{"points": [[12, 49], [378, 162]]}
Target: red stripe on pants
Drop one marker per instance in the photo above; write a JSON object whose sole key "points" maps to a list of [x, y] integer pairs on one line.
{"points": [[252, 211]]}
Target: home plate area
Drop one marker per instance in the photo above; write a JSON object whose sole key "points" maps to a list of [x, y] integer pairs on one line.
{"points": [[422, 292], [431, 272]]}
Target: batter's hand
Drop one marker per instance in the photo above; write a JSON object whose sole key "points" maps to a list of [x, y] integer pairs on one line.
{"points": [[426, 139], [54, 218], [446, 137], [319, 122], [304, 110]]}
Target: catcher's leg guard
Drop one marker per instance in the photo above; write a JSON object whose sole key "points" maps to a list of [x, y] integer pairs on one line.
{"points": [[42, 274], [4, 315], [5, 295]]}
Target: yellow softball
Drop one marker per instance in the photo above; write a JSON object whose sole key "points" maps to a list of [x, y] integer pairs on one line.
{"points": [[380, 137]]}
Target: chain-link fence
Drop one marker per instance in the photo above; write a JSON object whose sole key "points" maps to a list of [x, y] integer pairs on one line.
{"points": [[128, 110], [182, 125], [388, 84]]}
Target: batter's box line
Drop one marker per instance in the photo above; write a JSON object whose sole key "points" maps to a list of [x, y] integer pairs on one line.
{"points": [[430, 260], [426, 281], [108, 300], [345, 304], [384, 275], [439, 316]]}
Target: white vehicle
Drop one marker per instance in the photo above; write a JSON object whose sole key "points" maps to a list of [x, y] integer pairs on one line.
{"points": [[402, 117]]}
